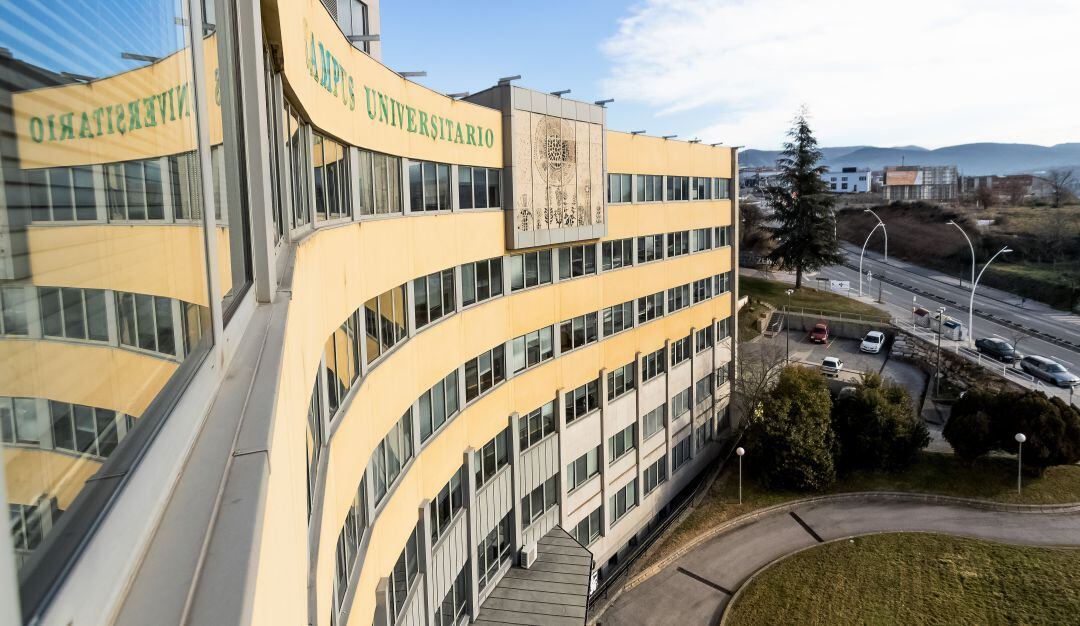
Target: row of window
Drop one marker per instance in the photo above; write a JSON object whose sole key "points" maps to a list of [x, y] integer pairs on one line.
{"points": [[581, 469], [494, 550], [622, 188], [446, 506], [655, 475], [537, 426], [49, 424], [348, 545], [490, 459], [620, 380], [540, 500], [404, 574], [165, 326], [622, 501], [622, 442]]}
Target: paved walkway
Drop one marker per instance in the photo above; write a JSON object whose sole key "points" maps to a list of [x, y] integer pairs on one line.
{"points": [[696, 588]]}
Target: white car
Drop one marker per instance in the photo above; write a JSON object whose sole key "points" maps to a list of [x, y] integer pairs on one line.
{"points": [[872, 342], [831, 366]]}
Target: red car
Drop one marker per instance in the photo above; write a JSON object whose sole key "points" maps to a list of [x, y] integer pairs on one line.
{"points": [[820, 334]]}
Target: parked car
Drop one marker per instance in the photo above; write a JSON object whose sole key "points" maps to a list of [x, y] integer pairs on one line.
{"points": [[997, 348], [831, 366], [820, 333], [872, 342], [1049, 371]]}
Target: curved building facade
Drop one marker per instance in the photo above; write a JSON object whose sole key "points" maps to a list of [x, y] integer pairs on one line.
{"points": [[288, 338]]}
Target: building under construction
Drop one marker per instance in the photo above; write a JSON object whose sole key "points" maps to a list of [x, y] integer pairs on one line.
{"points": [[921, 182]]}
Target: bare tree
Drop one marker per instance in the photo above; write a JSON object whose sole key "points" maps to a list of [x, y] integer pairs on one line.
{"points": [[1060, 181], [758, 365], [1058, 230]]}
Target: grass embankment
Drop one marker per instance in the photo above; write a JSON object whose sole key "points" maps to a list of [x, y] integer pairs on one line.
{"points": [[812, 300], [943, 474], [915, 578]]}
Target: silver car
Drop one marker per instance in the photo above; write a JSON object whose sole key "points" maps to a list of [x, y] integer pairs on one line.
{"points": [[1049, 371]]}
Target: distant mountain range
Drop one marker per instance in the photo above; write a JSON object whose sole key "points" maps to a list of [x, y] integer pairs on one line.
{"points": [[973, 159]]}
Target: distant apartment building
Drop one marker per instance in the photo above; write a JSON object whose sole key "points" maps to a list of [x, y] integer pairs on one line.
{"points": [[754, 180], [921, 182], [848, 180], [1011, 189]]}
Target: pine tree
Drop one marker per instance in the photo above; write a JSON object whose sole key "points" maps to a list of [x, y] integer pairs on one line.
{"points": [[802, 207]]}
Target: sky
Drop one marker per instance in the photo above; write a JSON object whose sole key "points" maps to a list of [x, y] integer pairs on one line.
{"points": [[921, 72]]}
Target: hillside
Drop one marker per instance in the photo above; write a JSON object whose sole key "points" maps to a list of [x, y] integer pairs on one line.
{"points": [[973, 159]]}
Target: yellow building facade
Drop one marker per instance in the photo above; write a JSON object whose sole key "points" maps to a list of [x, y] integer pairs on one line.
{"points": [[288, 338]]}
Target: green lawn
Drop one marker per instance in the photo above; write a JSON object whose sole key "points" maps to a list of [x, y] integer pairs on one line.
{"points": [[915, 578], [773, 292], [943, 474]]}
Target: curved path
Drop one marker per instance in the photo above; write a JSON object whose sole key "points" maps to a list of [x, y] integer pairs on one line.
{"points": [[695, 588]]}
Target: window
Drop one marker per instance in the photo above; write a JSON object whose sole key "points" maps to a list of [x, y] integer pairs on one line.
{"points": [[348, 544], [589, 528], [678, 243], [702, 188], [494, 550], [64, 194], [650, 188], [19, 421], [384, 322], [723, 236], [721, 188], [723, 329], [342, 357], [617, 253], [581, 401], [392, 453], [576, 261], [433, 297], [705, 338], [530, 269], [540, 500], [721, 283], [74, 313], [619, 188], [133, 191], [531, 349], [680, 454], [703, 289], [147, 322], [653, 421], [314, 442], [452, 608], [429, 186], [703, 388], [650, 307], [438, 405], [678, 188], [620, 381], [446, 506], [479, 188], [577, 332], [655, 475], [490, 459], [678, 298], [702, 239], [481, 280], [650, 248], [652, 365], [13, 311], [537, 425], [680, 404], [333, 197], [299, 160], [484, 372], [380, 183], [404, 574], [622, 501], [580, 470], [621, 443], [29, 524], [84, 429], [352, 17], [723, 374], [680, 350], [704, 434], [618, 318]]}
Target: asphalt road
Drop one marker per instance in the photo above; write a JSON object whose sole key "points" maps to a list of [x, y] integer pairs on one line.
{"points": [[695, 588]]}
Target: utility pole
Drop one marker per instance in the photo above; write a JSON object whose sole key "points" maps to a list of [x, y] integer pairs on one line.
{"points": [[937, 368]]}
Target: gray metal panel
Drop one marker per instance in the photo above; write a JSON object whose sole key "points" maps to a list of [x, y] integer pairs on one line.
{"points": [[449, 556], [539, 463], [493, 501]]}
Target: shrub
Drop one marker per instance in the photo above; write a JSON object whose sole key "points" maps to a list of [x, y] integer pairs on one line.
{"points": [[876, 427], [970, 429], [794, 438]]}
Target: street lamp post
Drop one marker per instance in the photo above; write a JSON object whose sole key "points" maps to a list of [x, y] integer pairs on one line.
{"points": [[937, 368], [974, 284], [787, 326], [884, 232], [1020, 439], [740, 452], [879, 225]]}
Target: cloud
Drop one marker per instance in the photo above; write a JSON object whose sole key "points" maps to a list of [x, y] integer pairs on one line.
{"points": [[917, 72]]}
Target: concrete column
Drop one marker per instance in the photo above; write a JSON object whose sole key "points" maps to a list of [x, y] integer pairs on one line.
{"points": [[693, 385], [469, 484], [668, 412], [602, 458], [560, 416], [515, 477], [382, 603], [430, 602], [637, 412]]}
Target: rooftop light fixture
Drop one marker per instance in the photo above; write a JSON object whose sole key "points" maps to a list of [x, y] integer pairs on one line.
{"points": [[506, 80], [412, 74], [695, 140], [79, 77], [131, 56], [361, 38], [560, 92], [668, 136], [460, 94], [603, 102], [637, 132]]}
